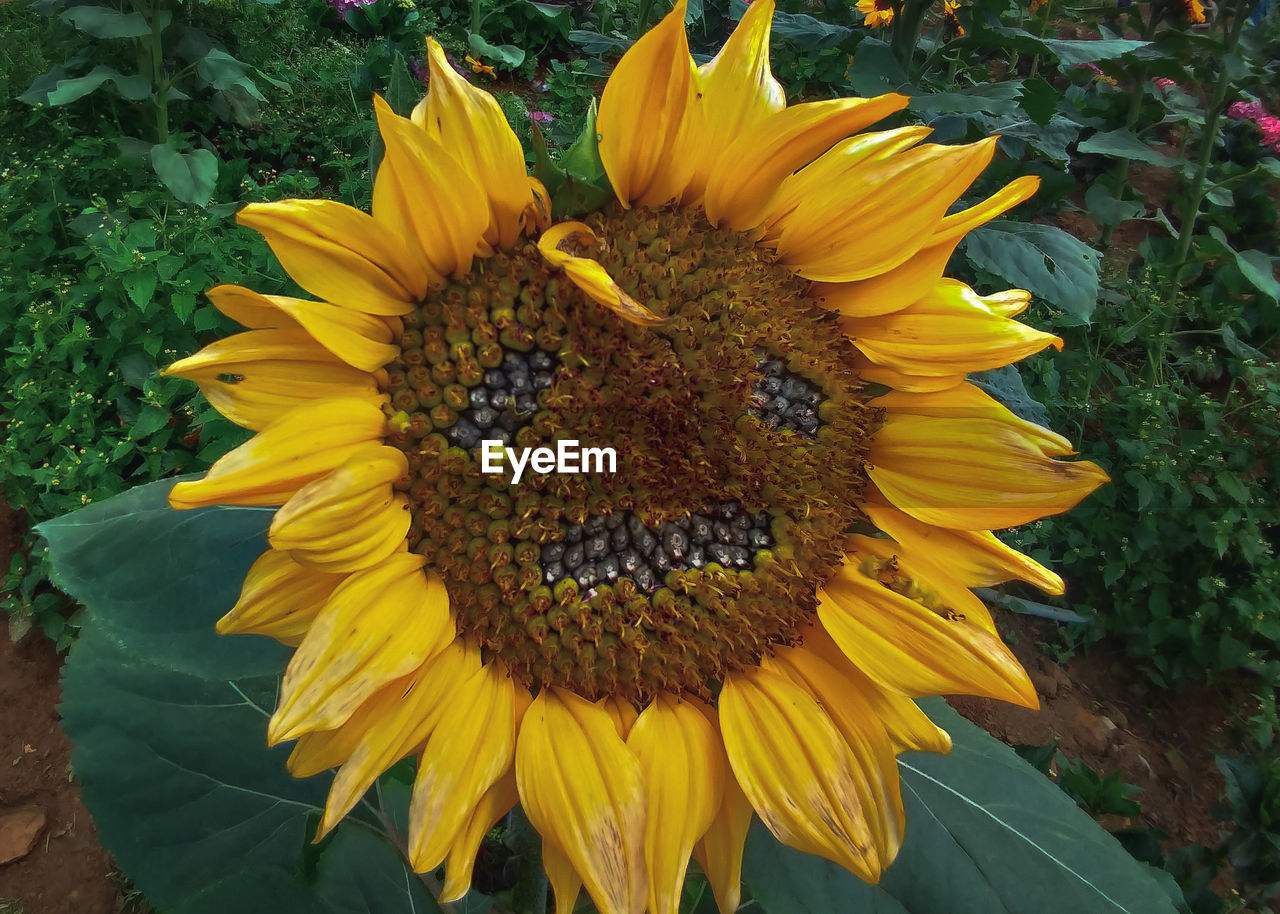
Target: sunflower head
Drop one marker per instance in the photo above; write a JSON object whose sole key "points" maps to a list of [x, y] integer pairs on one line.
{"points": [[802, 488], [876, 13]]}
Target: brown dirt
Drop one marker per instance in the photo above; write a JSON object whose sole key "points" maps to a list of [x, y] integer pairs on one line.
{"points": [[67, 872], [1115, 720]]}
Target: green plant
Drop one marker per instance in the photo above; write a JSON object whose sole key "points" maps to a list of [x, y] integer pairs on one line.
{"points": [[167, 70], [1177, 399]]}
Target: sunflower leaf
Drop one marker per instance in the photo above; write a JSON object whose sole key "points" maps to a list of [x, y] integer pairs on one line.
{"points": [[986, 834], [1041, 258]]}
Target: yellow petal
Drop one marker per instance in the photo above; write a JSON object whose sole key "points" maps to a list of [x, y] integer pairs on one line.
{"points": [[796, 769], [875, 772], [622, 713], [720, 851], [975, 557], [740, 196], [894, 289], [465, 756], [920, 577], [303, 444], [425, 198], [839, 165], [555, 246], [947, 332], [866, 226], [643, 111], [496, 803], [872, 373], [469, 123], [350, 519], [248, 308], [736, 90], [359, 339], [914, 651], [681, 759], [279, 599], [909, 729], [970, 401], [342, 255], [582, 788], [564, 879], [973, 474], [392, 723], [380, 624], [1008, 303], [255, 378]]}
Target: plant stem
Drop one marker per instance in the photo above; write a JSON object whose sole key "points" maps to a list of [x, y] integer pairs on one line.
{"points": [[157, 75], [1044, 24], [646, 7], [1196, 192]]}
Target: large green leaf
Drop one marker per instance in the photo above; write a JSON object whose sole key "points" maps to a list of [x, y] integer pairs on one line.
{"points": [[1125, 144], [156, 580], [101, 22], [986, 834], [56, 88], [1041, 258]]}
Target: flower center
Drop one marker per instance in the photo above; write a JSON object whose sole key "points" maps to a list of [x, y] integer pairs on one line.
{"points": [[739, 433]]}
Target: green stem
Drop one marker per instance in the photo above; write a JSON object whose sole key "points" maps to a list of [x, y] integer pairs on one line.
{"points": [[907, 18], [1136, 93], [158, 82], [476, 17], [1044, 24], [646, 7], [1196, 192]]}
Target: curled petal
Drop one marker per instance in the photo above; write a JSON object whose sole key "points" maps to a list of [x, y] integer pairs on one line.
{"points": [[303, 444], [564, 879], [342, 255], [590, 276], [975, 557], [378, 625], [913, 650], [682, 762], [583, 790], [643, 112], [349, 519], [796, 769], [279, 599], [973, 474], [948, 332]]}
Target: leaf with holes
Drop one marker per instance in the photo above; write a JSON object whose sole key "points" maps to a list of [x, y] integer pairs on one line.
{"points": [[1042, 259]]}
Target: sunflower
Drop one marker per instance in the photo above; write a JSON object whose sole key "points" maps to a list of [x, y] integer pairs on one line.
{"points": [[735, 621], [950, 10], [876, 12], [1193, 11]]}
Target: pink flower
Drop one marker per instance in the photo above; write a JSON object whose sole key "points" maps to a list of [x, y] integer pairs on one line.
{"points": [[1162, 83], [1270, 127], [541, 117], [346, 6], [1246, 111]]}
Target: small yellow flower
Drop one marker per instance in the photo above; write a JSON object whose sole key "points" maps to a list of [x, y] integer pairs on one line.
{"points": [[1193, 10], [481, 68], [877, 12], [645, 659]]}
